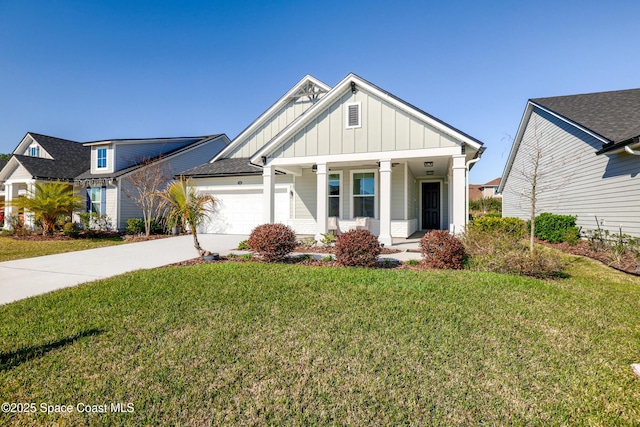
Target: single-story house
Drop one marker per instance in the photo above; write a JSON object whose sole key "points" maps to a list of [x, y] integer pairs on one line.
{"points": [[98, 170], [586, 147], [332, 158], [488, 190]]}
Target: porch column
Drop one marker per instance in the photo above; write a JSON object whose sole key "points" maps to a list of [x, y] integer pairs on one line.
{"points": [[322, 200], [459, 197], [385, 202], [8, 209], [269, 187]]}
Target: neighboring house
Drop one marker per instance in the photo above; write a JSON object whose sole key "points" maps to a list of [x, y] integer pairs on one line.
{"points": [[353, 153], [588, 159], [488, 190], [98, 170]]}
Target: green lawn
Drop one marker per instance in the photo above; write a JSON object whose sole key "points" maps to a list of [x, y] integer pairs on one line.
{"points": [[256, 344], [17, 249]]}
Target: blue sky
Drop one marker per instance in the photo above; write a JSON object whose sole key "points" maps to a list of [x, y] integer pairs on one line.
{"points": [[88, 70]]}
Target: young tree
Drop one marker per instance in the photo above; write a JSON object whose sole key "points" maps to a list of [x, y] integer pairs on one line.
{"points": [[48, 201], [144, 186], [184, 204], [537, 171]]}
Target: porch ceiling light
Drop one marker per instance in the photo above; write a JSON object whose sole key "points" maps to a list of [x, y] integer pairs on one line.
{"points": [[429, 172], [428, 164], [314, 168]]}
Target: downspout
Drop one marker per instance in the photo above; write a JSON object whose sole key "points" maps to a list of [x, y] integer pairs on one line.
{"points": [[466, 183]]}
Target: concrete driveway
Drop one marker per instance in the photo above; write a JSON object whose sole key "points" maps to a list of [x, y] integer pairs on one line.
{"points": [[34, 276]]}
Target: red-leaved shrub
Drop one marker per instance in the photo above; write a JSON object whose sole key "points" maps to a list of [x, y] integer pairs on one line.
{"points": [[357, 248], [272, 241], [442, 250]]}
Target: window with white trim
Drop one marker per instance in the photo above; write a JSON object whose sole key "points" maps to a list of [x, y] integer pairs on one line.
{"points": [[34, 151], [335, 194], [96, 201], [102, 158], [364, 194], [354, 115]]}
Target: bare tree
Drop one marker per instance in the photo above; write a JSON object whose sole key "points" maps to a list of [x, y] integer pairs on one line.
{"points": [[538, 170], [144, 185]]}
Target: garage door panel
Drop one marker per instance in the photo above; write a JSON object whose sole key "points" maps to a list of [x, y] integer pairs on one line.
{"points": [[241, 212]]}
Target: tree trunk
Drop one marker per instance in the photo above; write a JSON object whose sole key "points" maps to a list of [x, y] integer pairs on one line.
{"points": [[196, 243]]}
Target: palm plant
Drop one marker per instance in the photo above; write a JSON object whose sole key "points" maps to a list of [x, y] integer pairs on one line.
{"points": [[48, 201], [184, 205]]}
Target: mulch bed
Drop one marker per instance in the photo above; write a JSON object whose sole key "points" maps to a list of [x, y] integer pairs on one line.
{"points": [[331, 249], [627, 262], [293, 260]]}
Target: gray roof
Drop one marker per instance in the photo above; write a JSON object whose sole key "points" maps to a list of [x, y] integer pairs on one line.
{"points": [[2, 163], [613, 115], [224, 167], [88, 175], [70, 158]]}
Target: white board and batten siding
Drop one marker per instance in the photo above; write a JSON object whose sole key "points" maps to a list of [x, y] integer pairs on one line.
{"points": [[383, 128], [280, 120], [576, 181]]}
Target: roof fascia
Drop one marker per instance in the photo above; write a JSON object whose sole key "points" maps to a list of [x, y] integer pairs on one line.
{"points": [[144, 140], [334, 93], [176, 153], [22, 146], [269, 112], [12, 165], [572, 123]]}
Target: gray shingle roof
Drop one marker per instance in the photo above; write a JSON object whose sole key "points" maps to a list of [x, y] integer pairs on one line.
{"points": [[70, 158], [2, 163], [613, 115], [224, 167]]}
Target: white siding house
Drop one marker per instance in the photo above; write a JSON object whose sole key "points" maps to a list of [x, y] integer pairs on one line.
{"points": [[348, 152], [588, 164]]}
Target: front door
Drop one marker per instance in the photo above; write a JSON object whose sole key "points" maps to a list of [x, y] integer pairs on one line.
{"points": [[431, 206]]}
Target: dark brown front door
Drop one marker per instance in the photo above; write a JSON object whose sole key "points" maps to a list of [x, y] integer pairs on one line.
{"points": [[431, 206]]}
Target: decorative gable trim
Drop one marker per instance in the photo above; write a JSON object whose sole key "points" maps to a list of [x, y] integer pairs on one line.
{"points": [[351, 83], [308, 86]]}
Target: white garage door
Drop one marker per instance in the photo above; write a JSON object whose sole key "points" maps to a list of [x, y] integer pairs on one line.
{"points": [[241, 211]]}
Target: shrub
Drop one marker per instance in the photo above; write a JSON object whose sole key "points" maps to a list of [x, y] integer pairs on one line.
{"points": [[442, 250], [328, 239], [556, 228], [243, 246], [357, 248], [272, 241], [70, 230], [412, 262], [492, 224], [501, 248], [135, 226]]}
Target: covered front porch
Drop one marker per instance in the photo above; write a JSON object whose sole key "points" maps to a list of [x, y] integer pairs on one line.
{"points": [[393, 197]]}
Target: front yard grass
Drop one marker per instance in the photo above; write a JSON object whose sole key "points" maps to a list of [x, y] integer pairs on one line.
{"points": [[11, 249], [256, 344]]}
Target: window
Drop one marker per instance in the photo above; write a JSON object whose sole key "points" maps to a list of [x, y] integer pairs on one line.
{"points": [[97, 200], [353, 115], [335, 184], [34, 151], [102, 158], [364, 194]]}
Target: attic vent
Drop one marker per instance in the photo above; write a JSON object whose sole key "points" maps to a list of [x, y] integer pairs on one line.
{"points": [[353, 115]]}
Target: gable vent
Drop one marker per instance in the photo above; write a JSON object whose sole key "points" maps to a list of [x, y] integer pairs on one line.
{"points": [[353, 115]]}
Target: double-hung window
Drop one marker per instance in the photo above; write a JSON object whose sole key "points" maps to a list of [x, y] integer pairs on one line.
{"points": [[364, 194], [96, 201], [335, 194], [102, 158], [34, 151]]}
